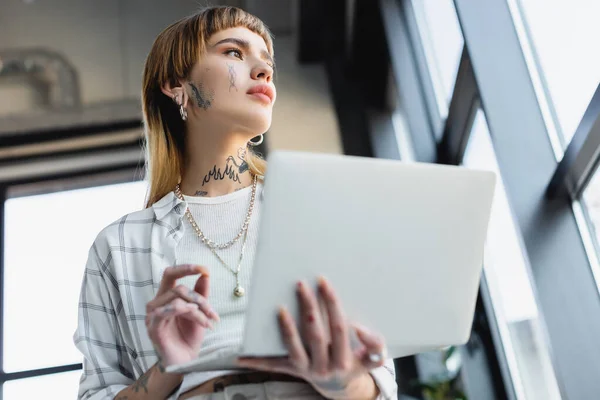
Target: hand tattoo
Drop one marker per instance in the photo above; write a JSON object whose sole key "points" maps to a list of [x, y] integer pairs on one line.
{"points": [[203, 98], [232, 76]]}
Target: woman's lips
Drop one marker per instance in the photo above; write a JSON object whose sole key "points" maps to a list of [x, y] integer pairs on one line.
{"points": [[262, 92], [262, 97]]}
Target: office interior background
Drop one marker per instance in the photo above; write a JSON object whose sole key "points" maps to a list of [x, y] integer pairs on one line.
{"points": [[503, 85]]}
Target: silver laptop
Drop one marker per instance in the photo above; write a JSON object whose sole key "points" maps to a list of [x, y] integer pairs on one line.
{"points": [[402, 243]]}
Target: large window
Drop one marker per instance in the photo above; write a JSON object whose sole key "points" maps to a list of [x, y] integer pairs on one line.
{"points": [[533, 69], [46, 243], [509, 283], [564, 36], [55, 386]]}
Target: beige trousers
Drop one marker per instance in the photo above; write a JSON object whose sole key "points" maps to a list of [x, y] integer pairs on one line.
{"points": [[264, 391]]}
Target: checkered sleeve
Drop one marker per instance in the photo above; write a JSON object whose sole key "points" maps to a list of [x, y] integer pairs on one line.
{"points": [[106, 370], [385, 379]]}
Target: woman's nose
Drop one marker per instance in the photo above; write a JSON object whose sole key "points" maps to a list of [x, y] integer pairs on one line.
{"points": [[262, 72]]}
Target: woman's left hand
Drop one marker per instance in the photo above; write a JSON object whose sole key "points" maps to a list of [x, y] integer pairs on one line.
{"points": [[329, 363]]}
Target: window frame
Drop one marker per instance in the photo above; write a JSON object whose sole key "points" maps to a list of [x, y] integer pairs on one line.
{"points": [[118, 160], [545, 200], [549, 228]]}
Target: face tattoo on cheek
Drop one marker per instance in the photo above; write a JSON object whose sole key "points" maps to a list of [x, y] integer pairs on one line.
{"points": [[203, 97], [232, 76]]}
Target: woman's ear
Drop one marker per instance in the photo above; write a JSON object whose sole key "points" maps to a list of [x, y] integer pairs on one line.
{"points": [[176, 92]]}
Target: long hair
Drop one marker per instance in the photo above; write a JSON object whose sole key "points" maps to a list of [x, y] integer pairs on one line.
{"points": [[174, 52]]}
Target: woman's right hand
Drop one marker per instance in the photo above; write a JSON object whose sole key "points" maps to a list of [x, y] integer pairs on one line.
{"points": [[177, 317]]}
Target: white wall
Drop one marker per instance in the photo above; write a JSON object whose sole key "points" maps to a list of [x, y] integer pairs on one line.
{"points": [[304, 118]]}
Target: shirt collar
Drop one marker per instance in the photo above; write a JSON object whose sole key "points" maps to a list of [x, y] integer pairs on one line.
{"points": [[169, 204]]}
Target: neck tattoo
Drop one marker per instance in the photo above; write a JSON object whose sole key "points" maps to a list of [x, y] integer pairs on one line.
{"points": [[217, 175], [233, 169]]}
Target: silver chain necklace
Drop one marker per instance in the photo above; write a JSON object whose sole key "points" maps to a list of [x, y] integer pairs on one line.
{"points": [[201, 235], [238, 291]]}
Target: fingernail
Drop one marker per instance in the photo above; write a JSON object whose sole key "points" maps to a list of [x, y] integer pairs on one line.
{"points": [[364, 331], [299, 285]]}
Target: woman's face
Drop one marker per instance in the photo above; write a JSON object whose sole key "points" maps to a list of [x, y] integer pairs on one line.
{"points": [[231, 87]]}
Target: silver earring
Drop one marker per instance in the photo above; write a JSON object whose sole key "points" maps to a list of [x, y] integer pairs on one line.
{"points": [[251, 143], [182, 111]]}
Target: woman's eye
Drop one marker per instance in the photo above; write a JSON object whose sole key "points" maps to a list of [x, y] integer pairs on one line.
{"points": [[235, 52]]}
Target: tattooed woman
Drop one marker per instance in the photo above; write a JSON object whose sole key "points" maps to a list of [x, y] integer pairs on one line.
{"points": [[207, 97]]}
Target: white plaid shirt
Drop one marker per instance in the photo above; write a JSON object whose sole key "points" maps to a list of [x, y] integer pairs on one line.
{"points": [[122, 274]]}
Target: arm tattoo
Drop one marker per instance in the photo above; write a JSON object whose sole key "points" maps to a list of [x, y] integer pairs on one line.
{"points": [[232, 76], [203, 98], [142, 382], [159, 363]]}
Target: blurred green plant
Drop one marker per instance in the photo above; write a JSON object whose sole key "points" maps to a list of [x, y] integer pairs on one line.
{"points": [[445, 386]]}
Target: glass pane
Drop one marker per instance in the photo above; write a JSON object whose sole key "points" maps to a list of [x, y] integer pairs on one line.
{"points": [[55, 386], [47, 238], [591, 199], [564, 36], [443, 41], [509, 284]]}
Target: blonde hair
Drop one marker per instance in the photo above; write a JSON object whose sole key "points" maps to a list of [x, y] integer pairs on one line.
{"points": [[174, 52]]}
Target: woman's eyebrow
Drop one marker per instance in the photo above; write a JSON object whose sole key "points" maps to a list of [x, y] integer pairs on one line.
{"points": [[245, 45]]}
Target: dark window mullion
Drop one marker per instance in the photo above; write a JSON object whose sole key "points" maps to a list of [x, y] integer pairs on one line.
{"points": [[463, 107], [582, 155], [11, 376]]}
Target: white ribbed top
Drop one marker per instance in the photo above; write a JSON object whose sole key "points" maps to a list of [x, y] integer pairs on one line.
{"points": [[220, 219]]}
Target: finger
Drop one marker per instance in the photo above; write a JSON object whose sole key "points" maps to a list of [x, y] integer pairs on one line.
{"points": [[173, 273], [159, 317], [312, 328], [199, 317], [373, 344], [186, 294], [202, 285], [193, 296], [293, 341], [341, 353]]}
